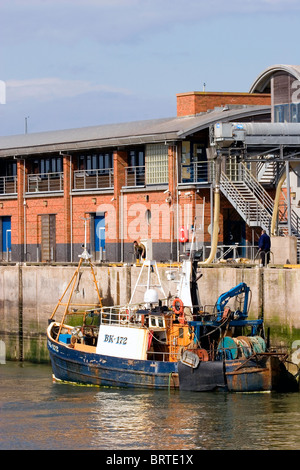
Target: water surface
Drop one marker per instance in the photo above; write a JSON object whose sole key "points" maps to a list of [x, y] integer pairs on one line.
{"points": [[39, 414]]}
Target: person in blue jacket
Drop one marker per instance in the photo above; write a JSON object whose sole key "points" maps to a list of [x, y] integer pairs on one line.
{"points": [[264, 246]]}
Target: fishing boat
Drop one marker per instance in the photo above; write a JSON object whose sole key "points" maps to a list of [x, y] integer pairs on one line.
{"points": [[165, 343]]}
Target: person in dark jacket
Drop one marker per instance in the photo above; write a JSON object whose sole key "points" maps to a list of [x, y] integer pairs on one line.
{"points": [[264, 246]]}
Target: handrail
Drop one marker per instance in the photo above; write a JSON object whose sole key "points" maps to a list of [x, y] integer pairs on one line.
{"points": [[197, 172], [265, 198], [45, 182], [8, 185], [135, 176], [257, 189], [93, 179], [263, 167], [251, 211], [259, 211]]}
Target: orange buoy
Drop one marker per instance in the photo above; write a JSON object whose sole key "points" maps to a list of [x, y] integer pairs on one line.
{"points": [[177, 306]]}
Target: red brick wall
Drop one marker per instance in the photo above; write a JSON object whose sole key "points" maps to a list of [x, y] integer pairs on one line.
{"points": [[162, 228], [198, 102], [9, 208]]}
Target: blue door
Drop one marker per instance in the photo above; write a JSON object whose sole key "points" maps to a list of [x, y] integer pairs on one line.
{"points": [[6, 234], [99, 233]]}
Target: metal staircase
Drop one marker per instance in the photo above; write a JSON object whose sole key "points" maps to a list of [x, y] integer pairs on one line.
{"points": [[248, 197], [267, 173], [253, 203]]}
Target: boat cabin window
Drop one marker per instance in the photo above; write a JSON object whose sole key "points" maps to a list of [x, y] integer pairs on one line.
{"points": [[156, 321]]}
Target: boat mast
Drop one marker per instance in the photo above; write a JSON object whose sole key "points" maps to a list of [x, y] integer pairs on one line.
{"points": [[152, 267], [84, 257]]}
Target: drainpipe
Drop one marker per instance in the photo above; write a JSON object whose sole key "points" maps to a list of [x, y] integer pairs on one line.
{"points": [[177, 206], [288, 187], [24, 212], [276, 203], [215, 235], [71, 210], [121, 198], [211, 212]]}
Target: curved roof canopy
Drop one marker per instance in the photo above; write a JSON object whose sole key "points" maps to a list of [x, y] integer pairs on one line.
{"points": [[262, 82]]}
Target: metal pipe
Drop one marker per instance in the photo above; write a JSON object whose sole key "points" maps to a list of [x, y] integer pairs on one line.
{"points": [[215, 227], [177, 204], [121, 209], [276, 203], [211, 212], [217, 196], [287, 166], [24, 211], [71, 210]]}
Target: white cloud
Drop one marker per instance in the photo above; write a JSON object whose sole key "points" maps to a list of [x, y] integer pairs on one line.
{"points": [[47, 89]]}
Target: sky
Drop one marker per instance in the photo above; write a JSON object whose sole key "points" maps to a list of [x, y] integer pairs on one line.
{"points": [[76, 63]]}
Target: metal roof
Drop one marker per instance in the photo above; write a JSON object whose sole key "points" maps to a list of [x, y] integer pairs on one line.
{"points": [[128, 133], [262, 81]]}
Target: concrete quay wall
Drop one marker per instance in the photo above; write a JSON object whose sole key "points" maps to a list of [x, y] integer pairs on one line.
{"points": [[29, 293]]}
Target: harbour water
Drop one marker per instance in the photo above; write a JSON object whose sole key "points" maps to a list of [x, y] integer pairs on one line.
{"points": [[37, 414]]}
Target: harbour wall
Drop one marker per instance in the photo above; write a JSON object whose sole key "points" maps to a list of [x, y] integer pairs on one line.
{"points": [[29, 294]]}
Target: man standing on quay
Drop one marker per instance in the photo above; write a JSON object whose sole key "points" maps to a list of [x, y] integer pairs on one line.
{"points": [[264, 246]]}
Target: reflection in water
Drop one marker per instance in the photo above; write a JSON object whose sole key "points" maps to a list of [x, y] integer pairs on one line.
{"points": [[158, 420], [38, 414]]}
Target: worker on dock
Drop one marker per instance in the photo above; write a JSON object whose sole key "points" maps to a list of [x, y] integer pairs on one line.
{"points": [[264, 246], [139, 250]]}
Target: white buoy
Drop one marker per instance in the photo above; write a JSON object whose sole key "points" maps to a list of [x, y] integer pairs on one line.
{"points": [[2, 352], [151, 296]]}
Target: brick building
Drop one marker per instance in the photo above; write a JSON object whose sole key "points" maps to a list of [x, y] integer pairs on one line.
{"points": [[145, 180]]}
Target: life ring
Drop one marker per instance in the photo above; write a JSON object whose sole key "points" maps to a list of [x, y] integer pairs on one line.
{"points": [[177, 306]]}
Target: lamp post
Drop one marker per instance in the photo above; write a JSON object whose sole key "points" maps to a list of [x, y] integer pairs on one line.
{"points": [[26, 124]]}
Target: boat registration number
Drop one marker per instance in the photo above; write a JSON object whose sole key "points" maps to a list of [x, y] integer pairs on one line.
{"points": [[54, 347], [128, 343], [115, 339]]}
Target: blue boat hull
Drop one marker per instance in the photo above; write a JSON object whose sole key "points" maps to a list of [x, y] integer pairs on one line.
{"points": [[249, 376], [70, 365], [207, 377], [239, 375], [75, 366], [229, 375]]}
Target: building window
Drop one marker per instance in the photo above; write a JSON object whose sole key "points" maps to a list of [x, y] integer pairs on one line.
{"points": [[48, 238], [49, 165], [8, 168], [97, 161], [156, 161], [287, 112], [148, 216], [136, 158]]}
